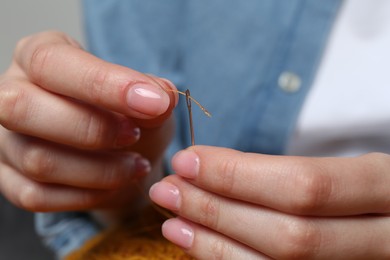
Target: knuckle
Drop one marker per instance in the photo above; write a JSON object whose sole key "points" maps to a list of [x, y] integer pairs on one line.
{"points": [[12, 105], [87, 200], [226, 174], [95, 82], [91, 131], [40, 58], [301, 240], [112, 177], [311, 190], [92, 199], [31, 198], [21, 43], [209, 212], [37, 163], [220, 250]]}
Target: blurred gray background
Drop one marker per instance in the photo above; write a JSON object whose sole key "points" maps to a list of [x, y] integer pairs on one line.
{"points": [[19, 18]]}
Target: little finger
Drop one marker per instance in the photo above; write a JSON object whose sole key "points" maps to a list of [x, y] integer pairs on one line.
{"points": [[203, 243], [51, 163]]}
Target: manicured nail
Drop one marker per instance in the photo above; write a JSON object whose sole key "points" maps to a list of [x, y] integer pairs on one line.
{"points": [[148, 99], [166, 195], [142, 166], [186, 164], [128, 134], [173, 88], [178, 232]]}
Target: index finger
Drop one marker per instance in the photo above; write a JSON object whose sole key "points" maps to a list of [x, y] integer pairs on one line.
{"points": [[297, 185], [53, 62]]}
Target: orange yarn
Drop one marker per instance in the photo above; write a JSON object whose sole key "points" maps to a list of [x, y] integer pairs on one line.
{"points": [[138, 240]]}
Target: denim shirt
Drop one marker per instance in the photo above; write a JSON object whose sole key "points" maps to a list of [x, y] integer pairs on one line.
{"points": [[249, 62]]}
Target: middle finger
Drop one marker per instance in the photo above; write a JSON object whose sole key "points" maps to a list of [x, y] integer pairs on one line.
{"points": [[292, 184], [51, 163], [276, 234]]}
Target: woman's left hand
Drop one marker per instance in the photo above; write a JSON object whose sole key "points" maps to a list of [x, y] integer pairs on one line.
{"points": [[234, 205]]}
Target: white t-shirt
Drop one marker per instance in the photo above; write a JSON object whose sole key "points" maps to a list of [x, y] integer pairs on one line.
{"points": [[347, 112]]}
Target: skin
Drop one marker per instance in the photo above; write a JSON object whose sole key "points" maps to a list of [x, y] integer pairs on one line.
{"points": [[234, 205], [76, 132], [72, 139]]}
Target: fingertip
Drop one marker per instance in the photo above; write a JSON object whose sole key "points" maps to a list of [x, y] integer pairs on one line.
{"points": [[172, 89], [186, 163], [147, 99], [128, 134], [167, 86], [142, 166], [178, 232], [166, 195]]}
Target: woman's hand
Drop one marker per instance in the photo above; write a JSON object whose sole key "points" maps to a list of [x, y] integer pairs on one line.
{"points": [[234, 205], [77, 132]]}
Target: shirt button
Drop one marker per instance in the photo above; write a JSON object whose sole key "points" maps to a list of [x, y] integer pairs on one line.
{"points": [[289, 82]]}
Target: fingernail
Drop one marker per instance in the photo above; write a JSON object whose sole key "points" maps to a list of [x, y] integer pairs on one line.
{"points": [[173, 88], [186, 164], [142, 166], [127, 134], [148, 99], [166, 195], [178, 232]]}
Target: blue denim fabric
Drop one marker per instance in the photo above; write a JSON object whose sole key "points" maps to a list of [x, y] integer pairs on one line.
{"points": [[229, 53], [64, 232]]}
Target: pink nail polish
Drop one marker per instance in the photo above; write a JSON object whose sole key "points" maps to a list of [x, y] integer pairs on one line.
{"points": [[178, 232], [172, 87], [186, 164], [142, 166], [166, 195], [128, 134], [147, 99]]}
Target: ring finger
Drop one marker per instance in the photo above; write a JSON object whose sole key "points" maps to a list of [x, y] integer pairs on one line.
{"points": [[51, 163], [203, 243], [276, 234]]}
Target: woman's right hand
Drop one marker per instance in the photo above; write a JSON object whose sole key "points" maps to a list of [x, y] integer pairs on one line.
{"points": [[78, 132]]}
